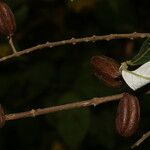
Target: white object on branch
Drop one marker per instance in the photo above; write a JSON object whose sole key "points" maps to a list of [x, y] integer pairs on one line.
{"points": [[137, 78]]}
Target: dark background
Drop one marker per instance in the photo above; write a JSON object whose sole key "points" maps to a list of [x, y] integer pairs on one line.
{"points": [[62, 74]]}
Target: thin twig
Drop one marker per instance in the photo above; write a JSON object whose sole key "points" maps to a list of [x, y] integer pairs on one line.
{"points": [[143, 138], [37, 112], [12, 44], [78, 40]]}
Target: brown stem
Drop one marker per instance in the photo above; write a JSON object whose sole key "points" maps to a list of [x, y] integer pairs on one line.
{"points": [[12, 45], [143, 138], [37, 112], [78, 40]]}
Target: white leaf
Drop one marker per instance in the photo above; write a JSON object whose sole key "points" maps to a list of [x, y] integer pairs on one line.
{"points": [[137, 78]]}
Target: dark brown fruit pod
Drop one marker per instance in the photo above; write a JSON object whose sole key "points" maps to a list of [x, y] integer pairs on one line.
{"points": [[106, 69], [7, 20], [128, 115], [105, 66], [2, 117], [115, 83]]}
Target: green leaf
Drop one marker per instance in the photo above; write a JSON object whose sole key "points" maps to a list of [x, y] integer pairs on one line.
{"points": [[143, 56]]}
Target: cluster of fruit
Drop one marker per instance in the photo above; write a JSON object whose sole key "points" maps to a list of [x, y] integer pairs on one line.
{"points": [[128, 112]]}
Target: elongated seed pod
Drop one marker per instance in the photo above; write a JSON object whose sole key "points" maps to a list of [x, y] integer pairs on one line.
{"points": [[107, 70], [7, 20], [105, 66], [128, 115]]}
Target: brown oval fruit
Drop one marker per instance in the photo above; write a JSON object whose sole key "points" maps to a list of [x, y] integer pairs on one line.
{"points": [[2, 117], [128, 115], [106, 69], [105, 66], [7, 21], [111, 82]]}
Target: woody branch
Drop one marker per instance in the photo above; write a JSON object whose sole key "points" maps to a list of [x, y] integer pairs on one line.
{"points": [[73, 41], [82, 104]]}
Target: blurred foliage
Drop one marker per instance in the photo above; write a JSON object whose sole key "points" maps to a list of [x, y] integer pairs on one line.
{"points": [[61, 75]]}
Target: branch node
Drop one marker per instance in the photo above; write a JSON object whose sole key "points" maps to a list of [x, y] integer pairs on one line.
{"points": [[33, 112]]}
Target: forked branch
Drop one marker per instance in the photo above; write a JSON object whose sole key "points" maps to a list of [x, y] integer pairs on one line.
{"points": [[82, 104], [73, 41]]}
